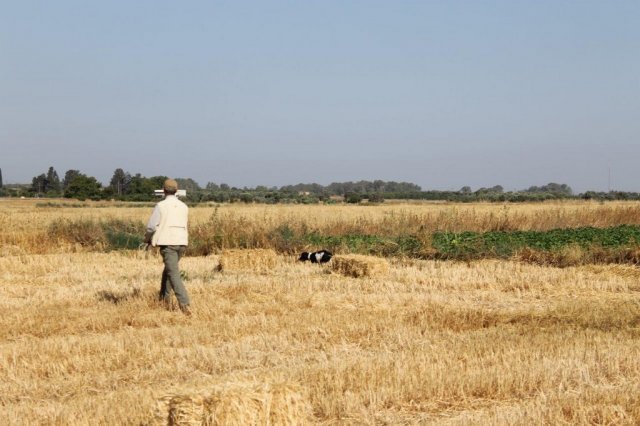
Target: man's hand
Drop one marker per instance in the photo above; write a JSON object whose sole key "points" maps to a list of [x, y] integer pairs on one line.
{"points": [[147, 237]]}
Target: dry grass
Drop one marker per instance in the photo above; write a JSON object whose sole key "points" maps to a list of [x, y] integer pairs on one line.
{"points": [[260, 261], [236, 403], [83, 340], [356, 266]]}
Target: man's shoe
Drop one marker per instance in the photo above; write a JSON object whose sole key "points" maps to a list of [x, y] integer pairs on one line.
{"points": [[185, 310]]}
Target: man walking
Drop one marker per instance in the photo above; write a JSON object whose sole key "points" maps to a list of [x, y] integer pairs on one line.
{"points": [[167, 228]]}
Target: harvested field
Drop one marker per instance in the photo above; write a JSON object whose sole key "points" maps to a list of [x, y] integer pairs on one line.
{"points": [[83, 340]]}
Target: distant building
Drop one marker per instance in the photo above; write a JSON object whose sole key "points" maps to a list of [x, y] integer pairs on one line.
{"points": [[179, 193]]}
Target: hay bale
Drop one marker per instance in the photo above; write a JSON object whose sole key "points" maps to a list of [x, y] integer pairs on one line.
{"points": [[355, 265], [248, 404], [185, 410], [255, 260], [237, 404]]}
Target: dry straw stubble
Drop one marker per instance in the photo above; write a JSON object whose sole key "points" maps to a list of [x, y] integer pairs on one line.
{"points": [[356, 266], [260, 261]]}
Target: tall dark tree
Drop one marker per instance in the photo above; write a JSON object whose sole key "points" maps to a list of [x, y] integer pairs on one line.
{"points": [[68, 177], [46, 183], [0, 178], [39, 184], [120, 182], [53, 181]]}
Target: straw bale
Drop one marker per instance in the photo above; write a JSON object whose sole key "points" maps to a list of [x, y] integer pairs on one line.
{"points": [[256, 260], [237, 404], [354, 265], [185, 410]]}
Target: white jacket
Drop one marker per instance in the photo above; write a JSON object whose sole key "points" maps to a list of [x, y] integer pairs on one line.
{"points": [[168, 223]]}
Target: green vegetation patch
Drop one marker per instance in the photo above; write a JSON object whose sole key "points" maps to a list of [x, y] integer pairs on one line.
{"points": [[505, 244], [114, 234], [619, 244], [207, 239], [404, 245], [121, 234]]}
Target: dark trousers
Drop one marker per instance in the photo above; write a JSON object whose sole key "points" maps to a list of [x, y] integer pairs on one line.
{"points": [[171, 279]]}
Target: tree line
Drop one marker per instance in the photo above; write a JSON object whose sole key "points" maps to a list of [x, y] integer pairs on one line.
{"points": [[127, 187]]}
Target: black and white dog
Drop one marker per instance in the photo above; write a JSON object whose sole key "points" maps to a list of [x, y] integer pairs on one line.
{"points": [[322, 256]]}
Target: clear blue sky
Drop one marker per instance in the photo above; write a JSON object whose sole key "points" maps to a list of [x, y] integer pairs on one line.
{"points": [[439, 93]]}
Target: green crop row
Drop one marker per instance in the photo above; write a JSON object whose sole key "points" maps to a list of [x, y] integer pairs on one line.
{"points": [[506, 244]]}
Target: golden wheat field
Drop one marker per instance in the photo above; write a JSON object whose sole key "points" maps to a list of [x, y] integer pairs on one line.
{"points": [[274, 341]]}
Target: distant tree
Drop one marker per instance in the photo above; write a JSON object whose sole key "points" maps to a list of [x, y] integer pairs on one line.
{"points": [[353, 198], [379, 185], [141, 186], [552, 187], [189, 184], [376, 197], [119, 183], [211, 186], [465, 190], [224, 187], [39, 184], [53, 181], [48, 183], [157, 181], [68, 177], [362, 187], [402, 187], [83, 187], [498, 189], [246, 197]]}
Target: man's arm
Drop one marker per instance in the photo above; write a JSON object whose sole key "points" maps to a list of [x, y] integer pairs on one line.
{"points": [[152, 225]]}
